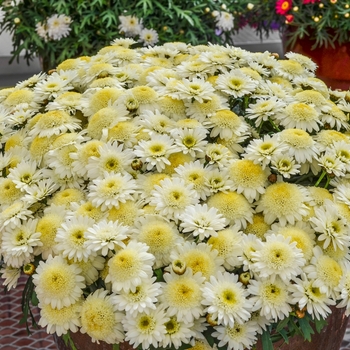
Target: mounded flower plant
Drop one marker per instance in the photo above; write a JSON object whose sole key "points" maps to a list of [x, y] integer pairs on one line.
{"points": [[177, 196]]}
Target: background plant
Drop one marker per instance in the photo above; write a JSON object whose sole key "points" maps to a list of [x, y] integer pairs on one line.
{"points": [[324, 21], [94, 24]]}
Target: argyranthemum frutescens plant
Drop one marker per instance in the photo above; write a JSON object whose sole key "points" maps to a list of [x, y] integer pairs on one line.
{"points": [[177, 196]]}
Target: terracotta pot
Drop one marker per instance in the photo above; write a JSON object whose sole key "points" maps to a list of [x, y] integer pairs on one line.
{"points": [[333, 63], [330, 338]]}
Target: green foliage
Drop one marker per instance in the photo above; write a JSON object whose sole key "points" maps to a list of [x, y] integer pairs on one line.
{"points": [[323, 21], [94, 24]]}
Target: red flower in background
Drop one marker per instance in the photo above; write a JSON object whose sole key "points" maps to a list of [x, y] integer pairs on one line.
{"points": [[283, 6], [289, 18]]}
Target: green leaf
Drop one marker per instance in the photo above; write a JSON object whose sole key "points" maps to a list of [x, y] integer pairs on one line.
{"points": [[266, 341], [319, 324], [306, 328]]}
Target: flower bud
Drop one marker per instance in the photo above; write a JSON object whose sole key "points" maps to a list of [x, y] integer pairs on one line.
{"points": [[136, 164], [250, 6], [17, 20], [244, 278], [179, 267], [29, 269], [210, 320]]}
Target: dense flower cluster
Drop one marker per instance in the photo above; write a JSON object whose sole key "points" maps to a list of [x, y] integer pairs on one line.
{"points": [[177, 195], [324, 21]]}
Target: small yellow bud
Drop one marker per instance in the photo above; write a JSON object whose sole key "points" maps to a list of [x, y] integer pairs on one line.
{"points": [[29, 269], [165, 28], [244, 278], [250, 6], [17, 20], [347, 6], [210, 320], [223, 6], [347, 15], [295, 8], [207, 10], [316, 19], [321, 6]]}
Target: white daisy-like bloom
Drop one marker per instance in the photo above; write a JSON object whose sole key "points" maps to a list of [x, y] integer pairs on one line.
{"points": [[19, 117], [196, 174], [10, 276], [278, 256], [342, 152], [261, 151], [201, 221], [58, 26], [325, 271], [285, 165], [228, 243], [100, 318], [289, 69], [226, 124], [305, 61], [51, 87], [301, 233], [144, 297], [270, 298], [182, 295], [226, 299], [248, 178], [130, 266], [54, 123], [159, 234], [105, 236], [250, 244], [172, 196], [71, 238], [57, 283], [19, 243], [218, 154], [112, 158], [40, 191], [148, 37], [156, 151], [91, 268], [155, 122], [109, 190], [14, 214], [42, 30], [285, 202], [306, 295], [198, 258], [331, 164], [233, 206], [146, 328], [330, 226], [62, 320], [190, 141], [265, 108], [300, 115], [224, 21], [196, 88], [342, 193], [130, 25], [235, 83], [344, 290], [238, 337], [177, 333], [69, 102]]}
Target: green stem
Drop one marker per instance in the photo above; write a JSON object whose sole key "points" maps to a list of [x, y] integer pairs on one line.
{"points": [[328, 181], [274, 125], [320, 178]]}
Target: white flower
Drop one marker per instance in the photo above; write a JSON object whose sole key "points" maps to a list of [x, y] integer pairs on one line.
{"points": [[156, 151], [182, 295], [235, 83], [10, 275], [130, 25], [270, 298], [111, 189], [172, 196], [71, 238], [129, 267], [331, 164], [285, 165], [201, 221], [278, 257], [148, 37], [331, 227], [308, 296], [238, 337], [58, 26], [19, 242], [144, 297], [191, 141], [25, 174], [105, 236], [224, 21], [100, 318], [226, 300], [196, 88], [57, 283]]}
